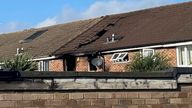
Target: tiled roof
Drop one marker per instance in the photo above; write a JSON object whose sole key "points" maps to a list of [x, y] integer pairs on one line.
{"points": [[162, 25], [43, 41]]}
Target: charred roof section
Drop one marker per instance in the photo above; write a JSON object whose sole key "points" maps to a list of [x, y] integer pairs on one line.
{"points": [[42, 42], [155, 26]]}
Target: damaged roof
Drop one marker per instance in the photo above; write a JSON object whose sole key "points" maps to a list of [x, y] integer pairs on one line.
{"points": [[155, 26], [43, 42]]}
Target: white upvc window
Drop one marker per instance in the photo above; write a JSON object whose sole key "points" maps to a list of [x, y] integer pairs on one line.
{"points": [[1, 65], [184, 56], [43, 65], [148, 52], [120, 57]]}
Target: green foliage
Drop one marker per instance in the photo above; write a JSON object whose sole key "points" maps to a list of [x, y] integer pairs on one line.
{"points": [[21, 62], [156, 62]]}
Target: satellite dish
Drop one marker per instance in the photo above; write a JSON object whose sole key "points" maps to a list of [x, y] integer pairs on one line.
{"points": [[97, 62]]}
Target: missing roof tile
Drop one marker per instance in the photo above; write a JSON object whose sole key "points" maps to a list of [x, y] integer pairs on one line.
{"points": [[101, 33]]}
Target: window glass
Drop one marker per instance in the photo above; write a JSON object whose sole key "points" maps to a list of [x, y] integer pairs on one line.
{"points": [[189, 55], [115, 56], [120, 57], [181, 56], [147, 52], [43, 65], [185, 56], [46, 65]]}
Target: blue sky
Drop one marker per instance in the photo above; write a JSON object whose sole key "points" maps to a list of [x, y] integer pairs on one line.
{"points": [[17, 15]]}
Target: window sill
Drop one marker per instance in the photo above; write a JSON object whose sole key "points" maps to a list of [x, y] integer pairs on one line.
{"points": [[121, 62], [184, 65]]}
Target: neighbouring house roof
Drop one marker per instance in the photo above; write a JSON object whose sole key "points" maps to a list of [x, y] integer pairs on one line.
{"points": [[162, 25], [43, 41]]}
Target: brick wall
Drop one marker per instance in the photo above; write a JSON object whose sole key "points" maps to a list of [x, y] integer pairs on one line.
{"points": [[56, 65], [120, 67], [82, 64], [142, 99], [170, 53], [117, 67]]}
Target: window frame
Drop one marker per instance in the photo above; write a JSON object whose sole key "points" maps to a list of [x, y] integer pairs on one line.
{"points": [[120, 58], [143, 51], [42, 65], [185, 56]]}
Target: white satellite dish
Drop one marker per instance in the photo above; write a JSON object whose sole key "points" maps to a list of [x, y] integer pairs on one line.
{"points": [[97, 62]]}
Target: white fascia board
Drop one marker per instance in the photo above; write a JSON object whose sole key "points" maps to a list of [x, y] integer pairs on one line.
{"points": [[150, 47], [131, 49], [44, 58], [178, 44]]}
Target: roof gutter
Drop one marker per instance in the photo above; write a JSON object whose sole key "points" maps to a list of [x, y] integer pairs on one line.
{"points": [[44, 58], [151, 47]]}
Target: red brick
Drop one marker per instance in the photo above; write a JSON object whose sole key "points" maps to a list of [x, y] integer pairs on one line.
{"points": [[169, 53], [132, 95], [133, 106], [183, 106], [91, 95], [170, 106], [84, 102], [138, 101], [152, 101], [82, 64], [183, 95], [58, 96], [120, 95], [158, 106], [76, 96], [164, 101], [157, 95], [96, 102], [56, 65], [145, 106], [5, 104], [176, 101], [125, 101], [146, 95], [110, 102], [105, 95], [171, 94], [12, 96]]}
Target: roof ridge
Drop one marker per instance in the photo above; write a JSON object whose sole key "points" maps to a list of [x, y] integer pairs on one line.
{"points": [[151, 8], [44, 28]]}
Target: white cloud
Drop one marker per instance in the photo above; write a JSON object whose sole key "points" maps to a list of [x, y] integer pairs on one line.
{"points": [[47, 22], [66, 15], [13, 26], [100, 8], [105, 7]]}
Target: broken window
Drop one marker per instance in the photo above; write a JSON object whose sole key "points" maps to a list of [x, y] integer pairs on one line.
{"points": [[70, 63]]}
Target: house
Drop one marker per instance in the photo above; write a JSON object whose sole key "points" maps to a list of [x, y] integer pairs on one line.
{"points": [[42, 42], [107, 43], [112, 42]]}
